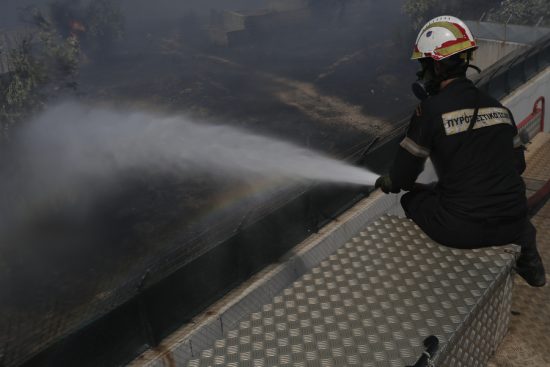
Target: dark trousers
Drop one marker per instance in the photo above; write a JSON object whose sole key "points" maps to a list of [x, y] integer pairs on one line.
{"points": [[422, 205]]}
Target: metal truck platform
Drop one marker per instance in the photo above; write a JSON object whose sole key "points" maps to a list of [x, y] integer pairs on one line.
{"points": [[374, 301], [371, 303]]}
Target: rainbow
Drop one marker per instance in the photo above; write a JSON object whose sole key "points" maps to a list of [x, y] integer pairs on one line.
{"points": [[246, 193]]}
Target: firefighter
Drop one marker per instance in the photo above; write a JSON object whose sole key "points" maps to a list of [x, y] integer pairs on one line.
{"points": [[473, 143]]}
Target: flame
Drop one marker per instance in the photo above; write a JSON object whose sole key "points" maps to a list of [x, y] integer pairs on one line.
{"points": [[77, 27]]}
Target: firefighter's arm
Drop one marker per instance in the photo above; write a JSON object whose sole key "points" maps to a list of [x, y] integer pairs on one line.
{"points": [[405, 169], [519, 156], [411, 155]]}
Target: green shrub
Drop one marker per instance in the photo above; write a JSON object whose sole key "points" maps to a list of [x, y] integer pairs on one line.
{"points": [[19, 95]]}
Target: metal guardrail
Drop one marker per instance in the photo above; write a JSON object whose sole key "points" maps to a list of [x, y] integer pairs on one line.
{"points": [[528, 129], [534, 123]]}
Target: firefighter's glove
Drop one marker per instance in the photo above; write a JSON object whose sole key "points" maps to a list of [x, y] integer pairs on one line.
{"points": [[384, 183]]}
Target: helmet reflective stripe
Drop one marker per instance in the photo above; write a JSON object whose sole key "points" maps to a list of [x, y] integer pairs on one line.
{"points": [[455, 29], [456, 48], [443, 37]]}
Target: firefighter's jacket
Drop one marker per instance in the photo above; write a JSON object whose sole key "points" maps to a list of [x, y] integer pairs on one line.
{"points": [[479, 171]]}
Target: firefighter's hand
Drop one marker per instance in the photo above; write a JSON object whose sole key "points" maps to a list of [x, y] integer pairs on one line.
{"points": [[384, 183]]}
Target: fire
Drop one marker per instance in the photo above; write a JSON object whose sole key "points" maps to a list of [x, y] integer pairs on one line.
{"points": [[77, 27]]}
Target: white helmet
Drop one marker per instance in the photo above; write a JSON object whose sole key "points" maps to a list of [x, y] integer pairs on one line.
{"points": [[443, 37]]}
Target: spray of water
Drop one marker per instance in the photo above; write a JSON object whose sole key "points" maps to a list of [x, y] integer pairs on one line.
{"points": [[74, 148]]}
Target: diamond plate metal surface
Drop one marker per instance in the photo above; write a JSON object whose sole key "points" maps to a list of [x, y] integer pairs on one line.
{"points": [[372, 303], [483, 333]]}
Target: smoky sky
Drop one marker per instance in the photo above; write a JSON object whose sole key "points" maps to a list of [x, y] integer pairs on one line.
{"points": [[9, 12], [147, 10], [137, 9], [142, 9]]}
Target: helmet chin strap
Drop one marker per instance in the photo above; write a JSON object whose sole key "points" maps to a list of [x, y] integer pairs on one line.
{"points": [[475, 68], [468, 65]]}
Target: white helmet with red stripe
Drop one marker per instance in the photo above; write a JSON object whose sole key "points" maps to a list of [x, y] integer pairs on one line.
{"points": [[443, 37]]}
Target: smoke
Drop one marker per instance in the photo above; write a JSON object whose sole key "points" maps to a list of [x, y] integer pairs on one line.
{"points": [[162, 9], [72, 151]]}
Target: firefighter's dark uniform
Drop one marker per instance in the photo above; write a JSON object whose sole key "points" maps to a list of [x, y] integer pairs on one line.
{"points": [[480, 197]]}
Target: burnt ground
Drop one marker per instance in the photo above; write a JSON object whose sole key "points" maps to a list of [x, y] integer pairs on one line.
{"points": [[329, 89]]}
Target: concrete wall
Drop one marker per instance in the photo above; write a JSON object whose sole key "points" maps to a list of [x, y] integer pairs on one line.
{"points": [[507, 32], [491, 51], [521, 101]]}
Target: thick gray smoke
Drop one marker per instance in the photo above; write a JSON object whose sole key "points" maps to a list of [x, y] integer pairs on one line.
{"points": [[72, 150]]}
